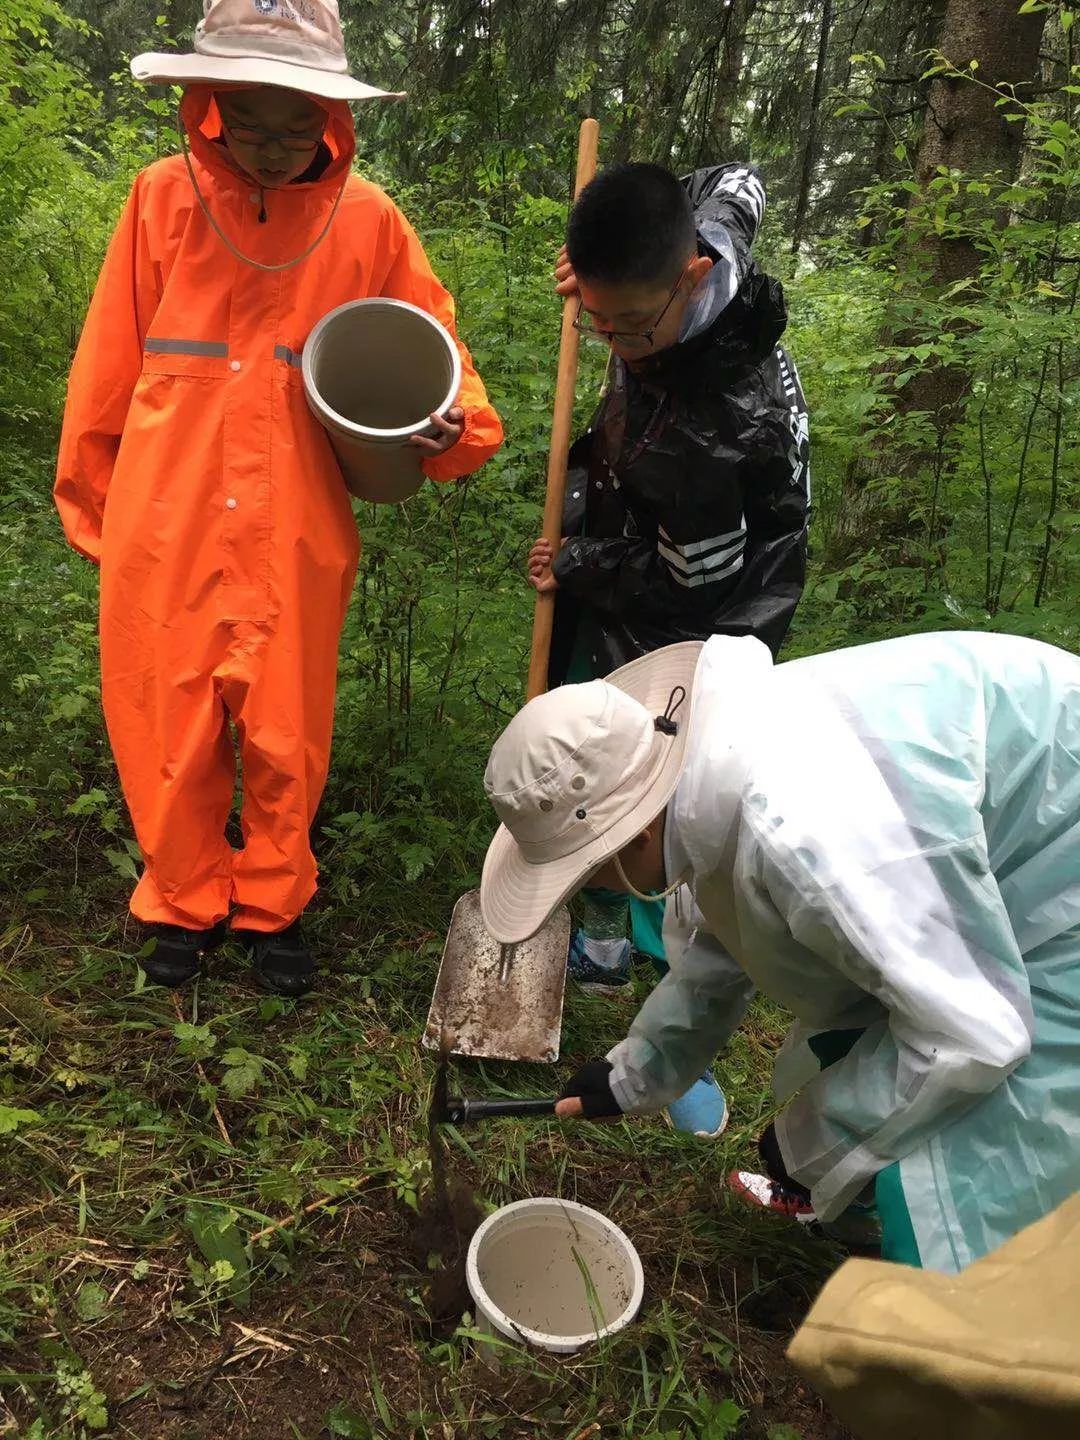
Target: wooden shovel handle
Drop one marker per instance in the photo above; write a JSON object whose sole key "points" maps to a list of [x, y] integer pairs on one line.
{"points": [[544, 614]]}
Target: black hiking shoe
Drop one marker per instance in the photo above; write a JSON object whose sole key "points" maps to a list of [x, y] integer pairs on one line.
{"points": [[283, 963], [177, 953]]}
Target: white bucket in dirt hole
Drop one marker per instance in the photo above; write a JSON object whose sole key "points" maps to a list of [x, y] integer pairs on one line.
{"points": [[554, 1274], [375, 371]]}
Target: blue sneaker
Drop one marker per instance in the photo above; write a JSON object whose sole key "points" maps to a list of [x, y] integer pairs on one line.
{"points": [[599, 967], [702, 1111]]}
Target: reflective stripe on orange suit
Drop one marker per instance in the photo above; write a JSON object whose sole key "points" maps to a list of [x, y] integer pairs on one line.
{"points": [[192, 469]]}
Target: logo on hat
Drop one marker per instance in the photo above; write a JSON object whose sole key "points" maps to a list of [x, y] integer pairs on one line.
{"points": [[295, 10]]}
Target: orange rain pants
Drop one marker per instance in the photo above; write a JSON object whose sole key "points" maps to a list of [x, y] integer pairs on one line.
{"points": [[191, 468]]}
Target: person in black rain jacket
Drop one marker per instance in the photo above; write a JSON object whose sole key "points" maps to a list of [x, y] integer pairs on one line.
{"points": [[688, 496]]}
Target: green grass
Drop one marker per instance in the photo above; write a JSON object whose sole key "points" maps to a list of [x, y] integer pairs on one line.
{"points": [[134, 1300]]}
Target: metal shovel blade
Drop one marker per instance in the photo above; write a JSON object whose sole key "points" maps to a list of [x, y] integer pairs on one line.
{"points": [[499, 1002]]}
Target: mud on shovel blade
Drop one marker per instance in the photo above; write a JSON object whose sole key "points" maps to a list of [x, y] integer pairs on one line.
{"points": [[499, 1002]]}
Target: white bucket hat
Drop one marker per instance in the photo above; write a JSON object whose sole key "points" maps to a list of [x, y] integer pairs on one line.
{"points": [[575, 776], [296, 44]]}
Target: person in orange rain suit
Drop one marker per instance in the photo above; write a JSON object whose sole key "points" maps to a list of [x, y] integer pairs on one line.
{"points": [[192, 470]]}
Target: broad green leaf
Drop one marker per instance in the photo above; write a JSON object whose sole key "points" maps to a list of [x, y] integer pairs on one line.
{"points": [[196, 1040], [11, 1119], [345, 1421], [243, 1071], [92, 1301], [415, 859], [216, 1234]]}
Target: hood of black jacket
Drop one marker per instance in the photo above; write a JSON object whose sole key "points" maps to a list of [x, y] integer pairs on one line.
{"points": [[745, 331]]}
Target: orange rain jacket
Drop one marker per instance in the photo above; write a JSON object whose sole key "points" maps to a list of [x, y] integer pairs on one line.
{"points": [[192, 469]]}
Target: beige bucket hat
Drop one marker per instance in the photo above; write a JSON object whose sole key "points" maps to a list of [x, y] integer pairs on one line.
{"points": [[575, 776], [296, 44]]}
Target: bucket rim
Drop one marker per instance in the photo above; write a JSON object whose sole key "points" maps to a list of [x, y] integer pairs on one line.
{"points": [[326, 412], [545, 1340]]}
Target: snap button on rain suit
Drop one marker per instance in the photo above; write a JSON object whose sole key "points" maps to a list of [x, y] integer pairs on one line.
{"points": [[191, 468], [886, 840]]}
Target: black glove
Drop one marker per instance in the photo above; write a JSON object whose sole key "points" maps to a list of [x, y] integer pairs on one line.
{"points": [[773, 1162], [591, 1086]]}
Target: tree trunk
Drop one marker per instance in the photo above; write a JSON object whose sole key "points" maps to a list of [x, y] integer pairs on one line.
{"points": [[647, 28], [882, 146], [908, 33], [965, 129], [624, 134], [593, 55], [806, 174], [673, 97], [719, 139], [424, 17]]}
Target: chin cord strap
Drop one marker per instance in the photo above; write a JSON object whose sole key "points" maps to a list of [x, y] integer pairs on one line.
{"points": [[664, 724], [239, 254], [632, 889]]}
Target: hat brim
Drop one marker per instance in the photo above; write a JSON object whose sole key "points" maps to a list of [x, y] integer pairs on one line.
{"points": [[194, 69], [516, 896]]}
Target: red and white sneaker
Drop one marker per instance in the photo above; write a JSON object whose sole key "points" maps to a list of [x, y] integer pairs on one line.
{"points": [[767, 1194]]}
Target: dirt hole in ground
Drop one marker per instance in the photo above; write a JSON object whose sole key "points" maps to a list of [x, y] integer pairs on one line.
{"points": [[445, 1223]]}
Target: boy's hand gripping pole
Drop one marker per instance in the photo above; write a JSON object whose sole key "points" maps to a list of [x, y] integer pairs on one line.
{"points": [[544, 613]]}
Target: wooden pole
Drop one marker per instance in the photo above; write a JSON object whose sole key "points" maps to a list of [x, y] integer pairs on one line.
{"points": [[544, 613]]}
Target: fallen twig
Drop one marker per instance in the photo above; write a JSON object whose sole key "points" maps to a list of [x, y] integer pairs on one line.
{"points": [[261, 1338], [307, 1210]]}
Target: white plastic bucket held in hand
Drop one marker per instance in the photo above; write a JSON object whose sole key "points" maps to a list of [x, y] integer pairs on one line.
{"points": [[527, 1268], [374, 372]]}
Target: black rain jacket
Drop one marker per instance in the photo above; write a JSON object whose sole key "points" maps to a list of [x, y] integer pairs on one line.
{"points": [[688, 496]]}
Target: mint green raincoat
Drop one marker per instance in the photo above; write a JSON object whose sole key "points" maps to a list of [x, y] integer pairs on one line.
{"points": [[886, 840]]}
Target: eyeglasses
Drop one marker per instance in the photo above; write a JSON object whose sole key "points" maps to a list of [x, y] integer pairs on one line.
{"points": [[262, 139], [634, 338]]}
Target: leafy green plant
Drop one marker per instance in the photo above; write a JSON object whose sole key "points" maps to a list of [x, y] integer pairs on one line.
{"points": [[197, 1041], [82, 1404], [243, 1072], [219, 1241], [92, 1301], [11, 1119]]}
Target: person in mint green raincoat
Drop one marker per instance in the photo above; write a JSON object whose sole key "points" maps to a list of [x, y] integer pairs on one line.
{"points": [[886, 840]]}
